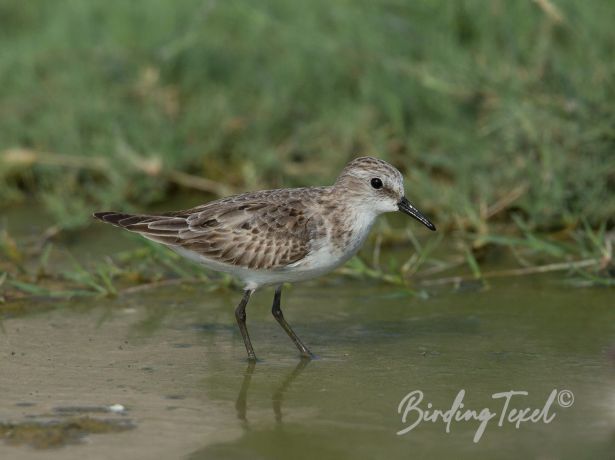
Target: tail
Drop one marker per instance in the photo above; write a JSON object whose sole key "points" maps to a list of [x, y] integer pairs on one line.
{"points": [[117, 218], [162, 229]]}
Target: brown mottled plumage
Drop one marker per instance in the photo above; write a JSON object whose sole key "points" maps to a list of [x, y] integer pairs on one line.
{"points": [[261, 230], [277, 236]]}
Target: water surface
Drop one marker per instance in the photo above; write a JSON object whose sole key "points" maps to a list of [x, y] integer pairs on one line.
{"points": [[175, 360]]}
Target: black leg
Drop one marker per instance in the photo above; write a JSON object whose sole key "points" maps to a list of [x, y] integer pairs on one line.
{"points": [[277, 314], [240, 315]]}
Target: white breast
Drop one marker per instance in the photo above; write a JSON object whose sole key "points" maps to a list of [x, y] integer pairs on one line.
{"points": [[327, 256]]}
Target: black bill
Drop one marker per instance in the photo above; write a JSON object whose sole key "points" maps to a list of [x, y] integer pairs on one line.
{"points": [[406, 207]]}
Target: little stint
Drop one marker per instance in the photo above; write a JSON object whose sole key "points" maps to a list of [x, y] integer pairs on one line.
{"points": [[280, 236]]}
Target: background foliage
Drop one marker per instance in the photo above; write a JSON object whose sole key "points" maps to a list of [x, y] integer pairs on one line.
{"points": [[499, 113]]}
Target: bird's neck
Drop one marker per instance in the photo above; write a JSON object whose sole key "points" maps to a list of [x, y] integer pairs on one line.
{"points": [[350, 220]]}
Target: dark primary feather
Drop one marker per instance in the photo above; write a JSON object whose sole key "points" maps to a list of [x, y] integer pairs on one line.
{"points": [[261, 230]]}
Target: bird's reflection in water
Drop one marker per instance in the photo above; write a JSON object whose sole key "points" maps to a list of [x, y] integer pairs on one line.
{"points": [[242, 398], [278, 395]]}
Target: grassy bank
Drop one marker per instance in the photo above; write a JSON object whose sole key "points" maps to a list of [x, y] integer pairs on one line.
{"points": [[499, 113]]}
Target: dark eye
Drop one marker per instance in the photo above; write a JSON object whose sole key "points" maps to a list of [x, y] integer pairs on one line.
{"points": [[376, 183]]}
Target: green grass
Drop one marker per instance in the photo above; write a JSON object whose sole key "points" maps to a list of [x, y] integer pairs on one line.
{"points": [[499, 113]]}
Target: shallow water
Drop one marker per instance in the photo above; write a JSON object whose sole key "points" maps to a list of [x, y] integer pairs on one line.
{"points": [[175, 360]]}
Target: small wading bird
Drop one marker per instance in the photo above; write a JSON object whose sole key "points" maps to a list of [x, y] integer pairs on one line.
{"points": [[273, 237]]}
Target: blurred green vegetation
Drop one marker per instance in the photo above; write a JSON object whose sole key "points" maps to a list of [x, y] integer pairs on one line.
{"points": [[500, 114]]}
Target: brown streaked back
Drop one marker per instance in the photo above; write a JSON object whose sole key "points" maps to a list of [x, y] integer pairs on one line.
{"points": [[260, 231]]}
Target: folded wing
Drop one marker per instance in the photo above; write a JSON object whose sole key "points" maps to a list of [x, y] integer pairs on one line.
{"points": [[252, 233]]}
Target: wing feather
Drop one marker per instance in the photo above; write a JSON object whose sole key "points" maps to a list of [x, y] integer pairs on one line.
{"points": [[263, 230]]}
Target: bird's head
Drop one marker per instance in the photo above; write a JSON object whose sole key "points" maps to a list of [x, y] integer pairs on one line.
{"points": [[378, 187]]}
